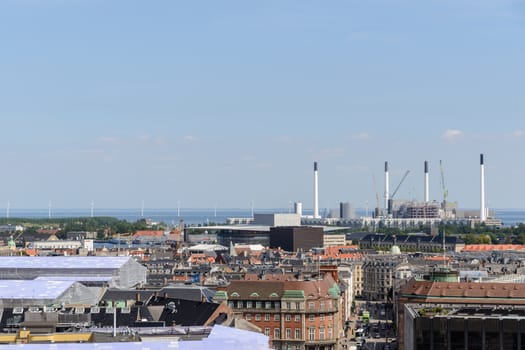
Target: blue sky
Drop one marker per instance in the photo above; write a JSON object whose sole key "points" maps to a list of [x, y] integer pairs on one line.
{"points": [[227, 102]]}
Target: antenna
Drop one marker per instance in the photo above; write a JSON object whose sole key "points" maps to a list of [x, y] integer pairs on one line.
{"points": [[92, 207], [49, 209], [178, 209], [7, 209], [215, 210], [142, 209]]}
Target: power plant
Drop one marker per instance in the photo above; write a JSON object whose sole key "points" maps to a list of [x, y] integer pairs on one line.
{"points": [[403, 213]]}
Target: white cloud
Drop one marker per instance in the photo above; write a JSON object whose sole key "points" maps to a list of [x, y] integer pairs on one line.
{"points": [[248, 158], [109, 139], [450, 135], [361, 136], [518, 134], [190, 138], [263, 165], [333, 152]]}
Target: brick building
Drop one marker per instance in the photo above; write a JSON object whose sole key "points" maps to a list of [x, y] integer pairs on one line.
{"points": [[295, 314]]}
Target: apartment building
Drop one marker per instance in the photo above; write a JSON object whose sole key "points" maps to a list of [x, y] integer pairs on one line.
{"points": [[295, 314]]}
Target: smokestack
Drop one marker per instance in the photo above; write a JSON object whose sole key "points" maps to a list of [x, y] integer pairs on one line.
{"points": [[387, 194], [482, 210], [426, 183], [298, 208], [316, 194]]}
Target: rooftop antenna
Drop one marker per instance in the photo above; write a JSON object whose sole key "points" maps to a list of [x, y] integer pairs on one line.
{"points": [[7, 209], [92, 207], [142, 209], [49, 209]]}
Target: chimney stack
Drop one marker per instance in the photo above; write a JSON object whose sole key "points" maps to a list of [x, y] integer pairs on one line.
{"points": [[316, 193], [387, 194], [426, 183], [482, 209]]}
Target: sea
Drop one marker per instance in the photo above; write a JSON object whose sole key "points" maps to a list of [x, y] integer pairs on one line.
{"points": [[192, 216]]}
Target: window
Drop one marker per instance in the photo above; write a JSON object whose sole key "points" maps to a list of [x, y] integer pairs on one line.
{"points": [[276, 317], [311, 333], [288, 317], [267, 317], [276, 333], [288, 305], [321, 305], [257, 317], [311, 317], [267, 305], [288, 333], [321, 333], [248, 317], [267, 332], [230, 304], [297, 318], [330, 317], [258, 304], [249, 304], [298, 306], [330, 333], [277, 305], [311, 305], [298, 333], [239, 305], [321, 317]]}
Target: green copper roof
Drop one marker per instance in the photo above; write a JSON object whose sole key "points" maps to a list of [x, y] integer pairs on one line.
{"points": [[298, 294], [220, 294], [334, 291]]}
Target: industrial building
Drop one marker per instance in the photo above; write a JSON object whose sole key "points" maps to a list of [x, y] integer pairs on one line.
{"points": [[119, 272]]}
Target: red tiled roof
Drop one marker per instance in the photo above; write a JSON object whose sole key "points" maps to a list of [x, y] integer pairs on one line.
{"points": [[149, 233], [464, 290], [490, 247]]}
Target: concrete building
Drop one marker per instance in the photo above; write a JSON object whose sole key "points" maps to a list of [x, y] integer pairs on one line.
{"points": [[294, 238]]}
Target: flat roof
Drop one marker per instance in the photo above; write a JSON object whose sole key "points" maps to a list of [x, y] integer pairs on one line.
{"points": [[63, 262], [264, 228], [77, 278], [33, 289]]}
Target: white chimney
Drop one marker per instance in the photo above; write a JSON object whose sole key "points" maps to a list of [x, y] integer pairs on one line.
{"points": [[387, 194], [482, 210], [316, 194], [427, 196]]}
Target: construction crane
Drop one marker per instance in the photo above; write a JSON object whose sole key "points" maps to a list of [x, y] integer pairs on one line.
{"points": [[391, 199], [444, 188]]}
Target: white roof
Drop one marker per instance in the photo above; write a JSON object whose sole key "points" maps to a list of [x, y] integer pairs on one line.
{"points": [[63, 262], [33, 289]]}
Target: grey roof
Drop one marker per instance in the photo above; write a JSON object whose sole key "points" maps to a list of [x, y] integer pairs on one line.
{"points": [[33, 289], [78, 278], [63, 262]]}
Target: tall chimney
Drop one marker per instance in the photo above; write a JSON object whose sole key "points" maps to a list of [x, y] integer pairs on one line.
{"points": [[316, 193], [426, 183], [387, 194], [482, 210]]}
